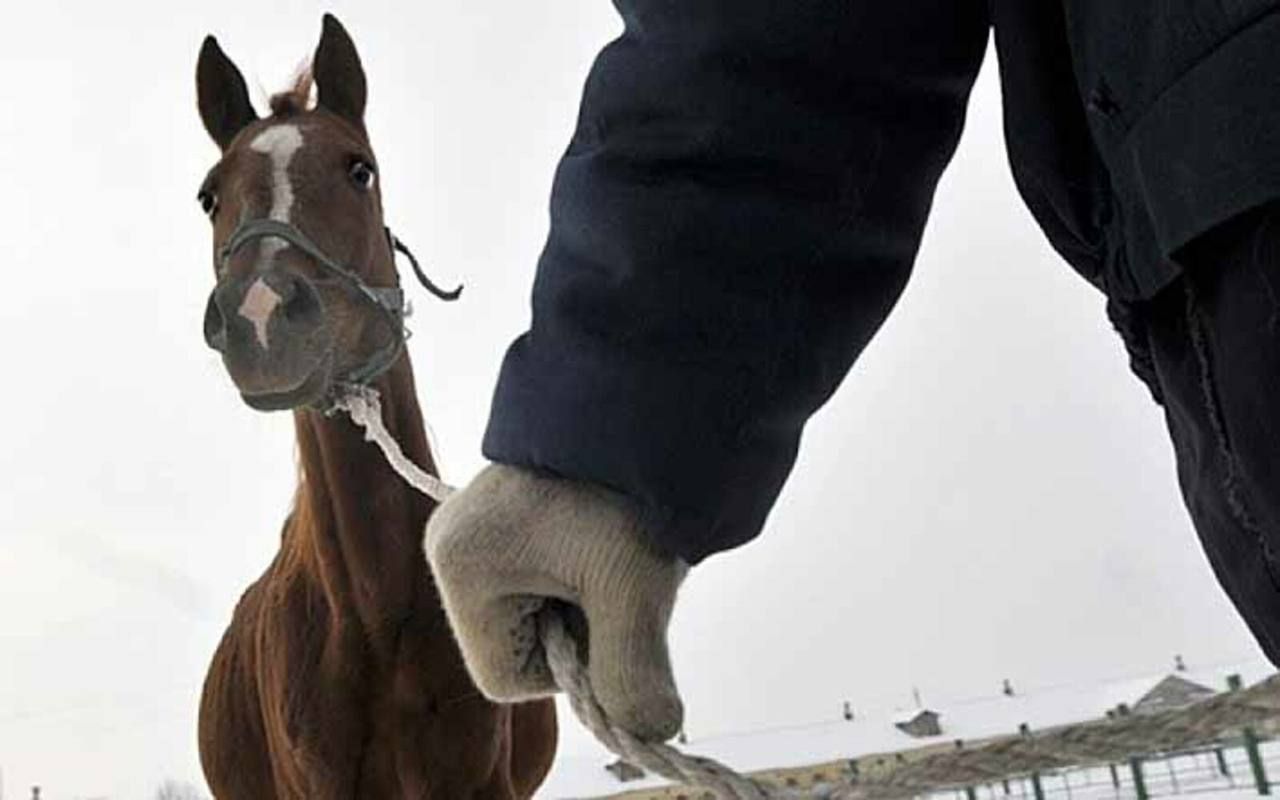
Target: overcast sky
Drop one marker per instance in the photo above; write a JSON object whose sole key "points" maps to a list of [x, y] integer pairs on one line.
{"points": [[989, 495]]}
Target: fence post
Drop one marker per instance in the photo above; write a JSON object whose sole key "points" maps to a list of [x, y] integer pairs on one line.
{"points": [[1255, 762], [1036, 787], [1173, 776], [1005, 782], [1222, 762], [1139, 782], [1115, 776]]}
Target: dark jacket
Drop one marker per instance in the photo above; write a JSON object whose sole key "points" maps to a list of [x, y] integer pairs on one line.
{"points": [[745, 191]]}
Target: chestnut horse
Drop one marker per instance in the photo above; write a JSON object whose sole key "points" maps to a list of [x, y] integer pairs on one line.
{"points": [[338, 676]]}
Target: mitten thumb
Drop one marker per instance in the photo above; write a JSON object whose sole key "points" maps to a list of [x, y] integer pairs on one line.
{"points": [[628, 661]]}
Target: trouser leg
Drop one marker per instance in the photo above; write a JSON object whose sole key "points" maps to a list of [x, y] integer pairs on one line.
{"points": [[1213, 339]]}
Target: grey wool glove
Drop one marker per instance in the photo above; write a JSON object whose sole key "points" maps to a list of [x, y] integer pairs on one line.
{"points": [[513, 539]]}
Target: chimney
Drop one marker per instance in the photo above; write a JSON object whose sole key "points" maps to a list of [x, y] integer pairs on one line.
{"points": [[1179, 664]]}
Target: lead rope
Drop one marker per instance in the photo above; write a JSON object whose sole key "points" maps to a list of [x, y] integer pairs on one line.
{"points": [[658, 757], [363, 405]]}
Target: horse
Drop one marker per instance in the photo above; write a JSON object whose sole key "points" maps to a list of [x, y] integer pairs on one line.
{"points": [[338, 676]]}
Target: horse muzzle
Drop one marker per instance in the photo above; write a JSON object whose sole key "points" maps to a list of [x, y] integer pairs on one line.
{"points": [[272, 331]]}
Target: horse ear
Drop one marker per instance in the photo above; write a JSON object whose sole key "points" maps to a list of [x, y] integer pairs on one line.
{"points": [[338, 74], [224, 99]]}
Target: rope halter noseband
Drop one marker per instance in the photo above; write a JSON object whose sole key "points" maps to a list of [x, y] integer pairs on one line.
{"points": [[389, 300]]}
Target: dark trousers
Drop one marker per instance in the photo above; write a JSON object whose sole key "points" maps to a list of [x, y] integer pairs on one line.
{"points": [[1209, 348]]}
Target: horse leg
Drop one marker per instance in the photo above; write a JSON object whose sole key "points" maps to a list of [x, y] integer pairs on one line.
{"points": [[233, 746]]}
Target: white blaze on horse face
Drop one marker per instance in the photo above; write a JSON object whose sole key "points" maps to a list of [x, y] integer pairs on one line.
{"points": [[279, 143]]}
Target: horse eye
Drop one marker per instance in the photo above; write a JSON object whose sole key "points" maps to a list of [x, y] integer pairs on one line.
{"points": [[363, 174], [208, 201]]}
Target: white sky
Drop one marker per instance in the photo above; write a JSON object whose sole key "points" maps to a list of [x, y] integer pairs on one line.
{"points": [[989, 495]]}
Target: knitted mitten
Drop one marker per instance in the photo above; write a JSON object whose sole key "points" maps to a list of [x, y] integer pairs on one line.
{"points": [[512, 540]]}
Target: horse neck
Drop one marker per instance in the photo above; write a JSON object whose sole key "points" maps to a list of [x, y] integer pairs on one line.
{"points": [[356, 522]]}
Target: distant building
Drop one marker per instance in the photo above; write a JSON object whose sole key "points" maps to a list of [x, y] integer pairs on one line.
{"points": [[919, 723], [625, 771], [1173, 691]]}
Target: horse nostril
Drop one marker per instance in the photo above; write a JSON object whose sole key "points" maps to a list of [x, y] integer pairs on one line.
{"points": [[215, 325], [285, 286], [298, 299]]}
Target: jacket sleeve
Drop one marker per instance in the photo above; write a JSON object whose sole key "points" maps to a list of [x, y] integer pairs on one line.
{"points": [[735, 216]]}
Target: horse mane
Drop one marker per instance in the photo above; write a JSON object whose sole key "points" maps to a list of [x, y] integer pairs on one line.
{"points": [[296, 98]]}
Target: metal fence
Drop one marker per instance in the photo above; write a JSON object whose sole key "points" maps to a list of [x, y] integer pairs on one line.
{"points": [[1239, 769]]}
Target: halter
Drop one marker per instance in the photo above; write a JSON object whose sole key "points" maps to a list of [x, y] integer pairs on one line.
{"points": [[389, 300]]}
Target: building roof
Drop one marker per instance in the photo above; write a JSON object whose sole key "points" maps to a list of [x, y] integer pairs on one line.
{"points": [[967, 719], [911, 715], [1174, 691]]}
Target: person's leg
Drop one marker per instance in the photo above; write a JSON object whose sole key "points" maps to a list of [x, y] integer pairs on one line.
{"points": [[1214, 342], [1143, 137]]}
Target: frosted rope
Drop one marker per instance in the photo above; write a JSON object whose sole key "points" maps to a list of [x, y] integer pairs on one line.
{"points": [[364, 406]]}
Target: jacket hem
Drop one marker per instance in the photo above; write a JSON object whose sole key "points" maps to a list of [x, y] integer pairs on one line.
{"points": [[1208, 149]]}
